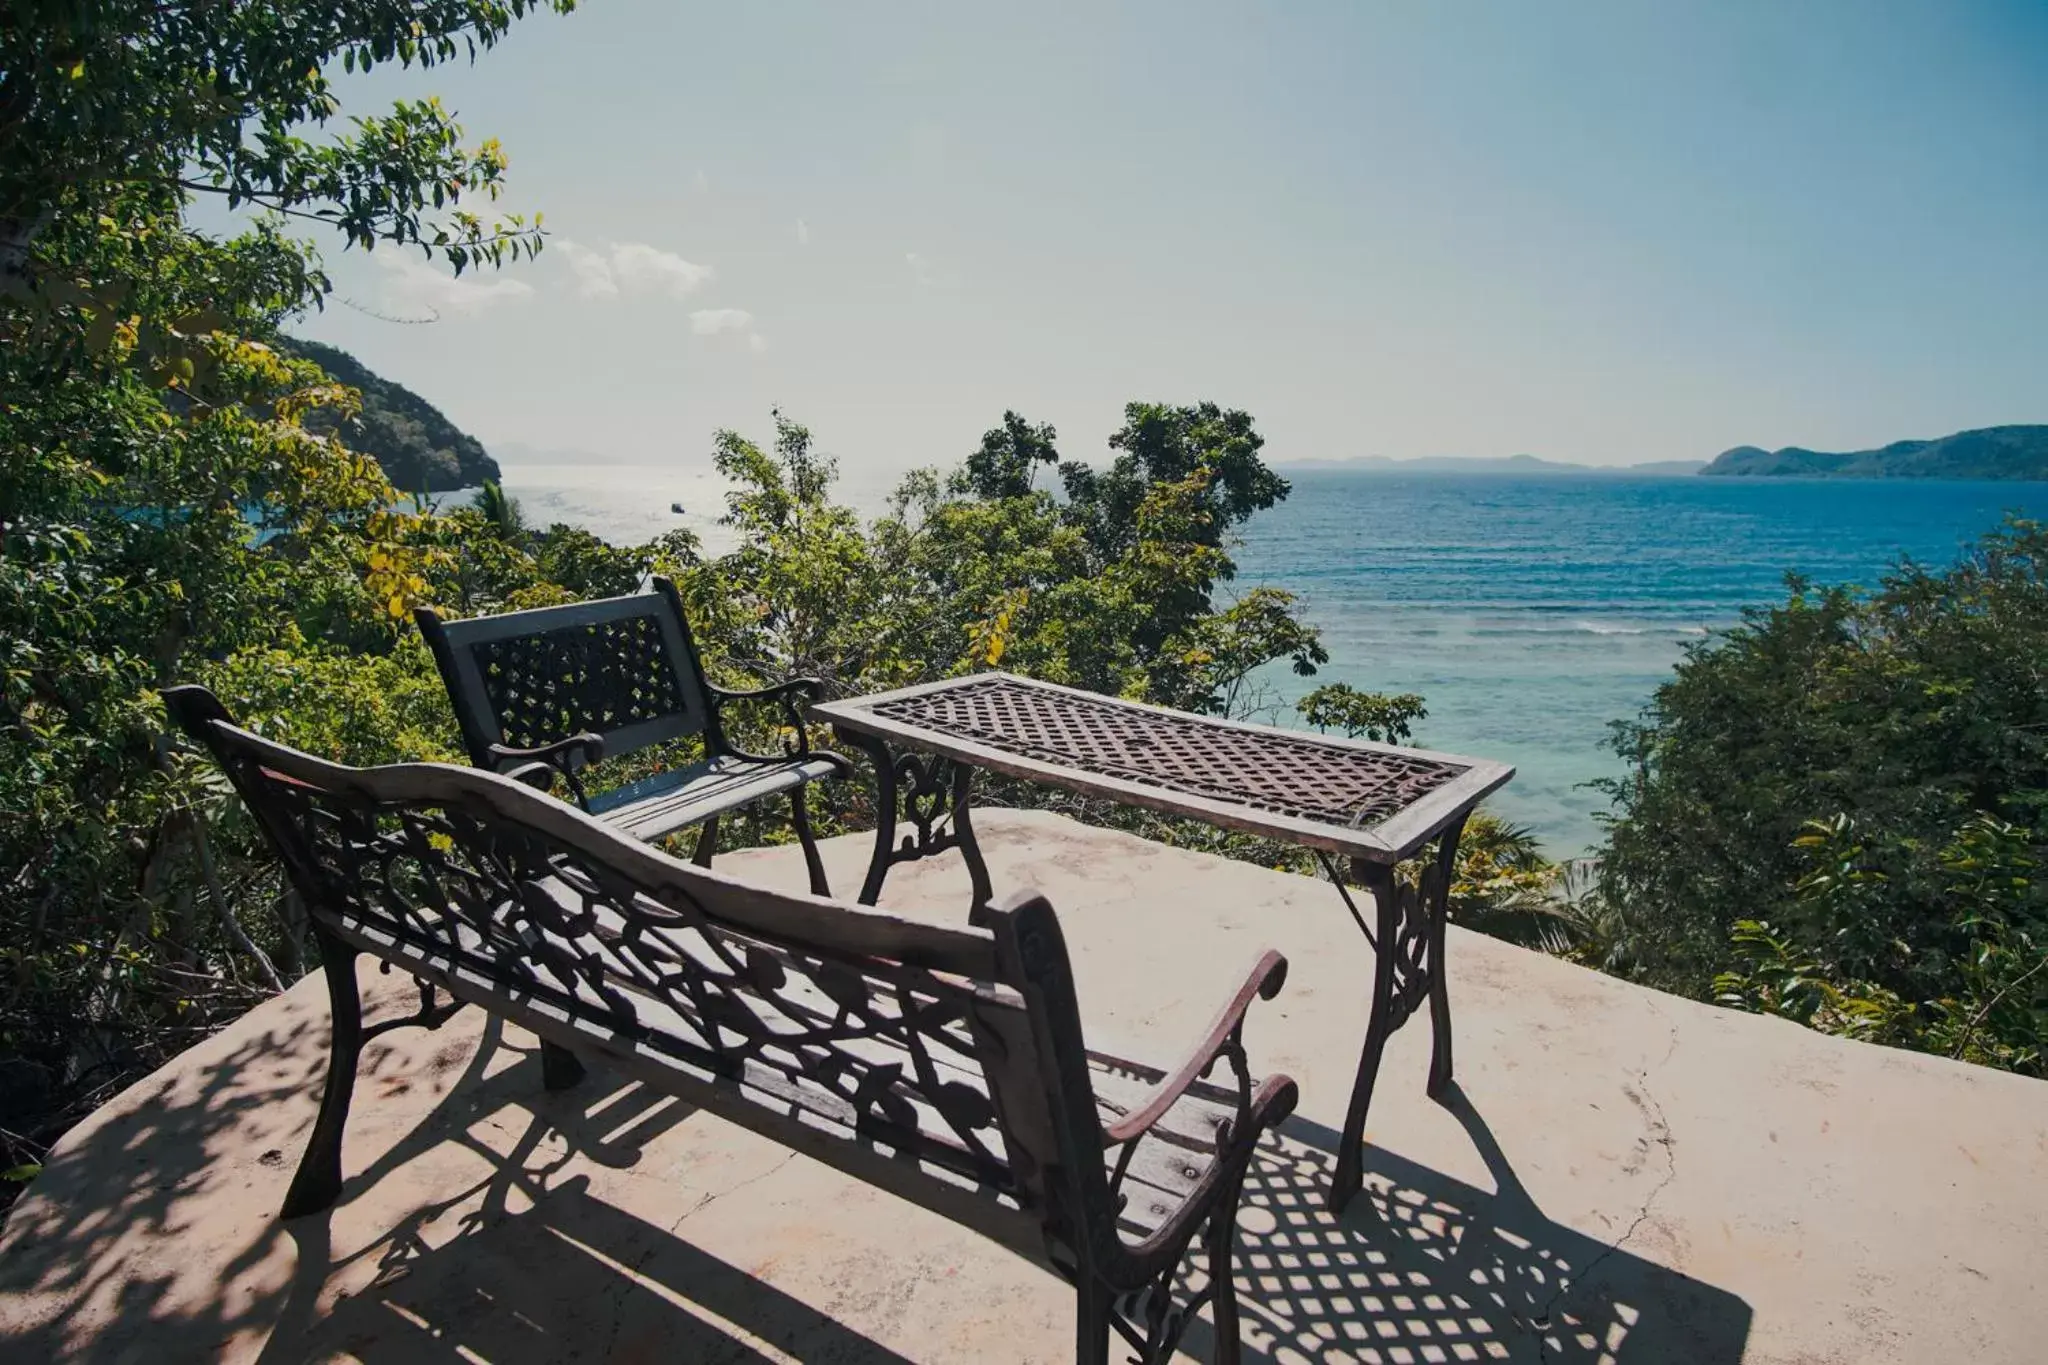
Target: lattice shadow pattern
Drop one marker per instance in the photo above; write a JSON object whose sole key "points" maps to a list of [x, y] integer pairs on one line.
{"points": [[1292, 775], [601, 676], [1423, 1269], [880, 1050]]}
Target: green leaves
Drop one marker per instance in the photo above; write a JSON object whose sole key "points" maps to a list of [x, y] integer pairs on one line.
{"points": [[163, 511], [1866, 775], [1362, 715], [120, 112]]}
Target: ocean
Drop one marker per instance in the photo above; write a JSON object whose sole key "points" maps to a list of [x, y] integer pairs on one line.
{"points": [[1529, 611]]}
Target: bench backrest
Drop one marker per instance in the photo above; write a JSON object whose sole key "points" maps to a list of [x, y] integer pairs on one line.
{"points": [[624, 668], [876, 1022]]}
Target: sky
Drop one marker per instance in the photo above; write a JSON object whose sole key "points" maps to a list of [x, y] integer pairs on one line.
{"points": [[1601, 232]]}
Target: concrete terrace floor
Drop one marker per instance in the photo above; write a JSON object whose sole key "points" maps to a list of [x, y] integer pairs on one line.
{"points": [[1621, 1176]]}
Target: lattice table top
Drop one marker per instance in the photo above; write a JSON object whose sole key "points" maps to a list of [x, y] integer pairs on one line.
{"points": [[1375, 801]]}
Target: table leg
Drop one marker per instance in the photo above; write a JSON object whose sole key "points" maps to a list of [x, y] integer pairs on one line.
{"points": [[983, 891], [885, 811], [1408, 956], [911, 787]]}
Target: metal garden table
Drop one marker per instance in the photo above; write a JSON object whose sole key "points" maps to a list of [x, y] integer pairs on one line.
{"points": [[1375, 804]]}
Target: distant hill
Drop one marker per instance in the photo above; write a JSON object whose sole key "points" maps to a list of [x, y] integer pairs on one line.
{"points": [[1493, 464], [2018, 452], [420, 450]]}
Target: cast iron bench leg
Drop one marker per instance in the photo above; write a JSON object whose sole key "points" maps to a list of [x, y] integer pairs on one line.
{"points": [[1398, 981], [317, 1183], [559, 1067], [707, 842], [800, 821]]}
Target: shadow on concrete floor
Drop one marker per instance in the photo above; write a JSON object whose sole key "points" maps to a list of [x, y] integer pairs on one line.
{"points": [[1421, 1267], [537, 1269], [1424, 1268]]}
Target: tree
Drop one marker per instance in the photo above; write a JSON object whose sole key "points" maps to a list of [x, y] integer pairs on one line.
{"points": [[500, 512], [1163, 445], [1853, 789], [792, 599], [1362, 715], [165, 512], [1112, 590], [106, 100], [1004, 465]]}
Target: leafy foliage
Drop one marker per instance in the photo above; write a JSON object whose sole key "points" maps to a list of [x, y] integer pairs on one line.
{"points": [[108, 98], [174, 502], [1363, 715], [1848, 792]]}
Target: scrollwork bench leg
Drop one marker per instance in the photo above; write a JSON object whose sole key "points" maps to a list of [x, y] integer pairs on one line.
{"points": [[1222, 1239], [1092, 1304], [707, 842], [317, 1183], [800, 820], [559, 1067]]}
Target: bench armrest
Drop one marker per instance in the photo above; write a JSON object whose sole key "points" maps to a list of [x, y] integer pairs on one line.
{"points": [[789, 696], [1223, 1039], [564, 756]]}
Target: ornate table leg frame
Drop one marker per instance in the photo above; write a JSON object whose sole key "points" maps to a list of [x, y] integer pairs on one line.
{"points": [[919, 789], [1408, 964]]}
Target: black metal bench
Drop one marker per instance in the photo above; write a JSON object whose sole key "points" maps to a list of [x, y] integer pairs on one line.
{"points": [[946, 1065], [568, 685]]}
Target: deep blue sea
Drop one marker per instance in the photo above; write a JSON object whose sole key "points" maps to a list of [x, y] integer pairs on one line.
{"points": [[1529, 611], [1532, 611]]}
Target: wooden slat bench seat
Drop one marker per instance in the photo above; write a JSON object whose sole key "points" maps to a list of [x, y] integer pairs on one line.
{"points": [[681, 797], [946, 1065]]}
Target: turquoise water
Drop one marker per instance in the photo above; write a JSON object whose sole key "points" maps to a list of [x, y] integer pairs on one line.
{"points": [[1528, 611], [1532, 611]]}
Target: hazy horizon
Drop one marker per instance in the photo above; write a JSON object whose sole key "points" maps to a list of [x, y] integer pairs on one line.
{"points": [[1593, 233]]}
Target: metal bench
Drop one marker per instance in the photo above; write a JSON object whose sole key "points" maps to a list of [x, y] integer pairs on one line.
{"points": [[946, 1065], [566, 686]]}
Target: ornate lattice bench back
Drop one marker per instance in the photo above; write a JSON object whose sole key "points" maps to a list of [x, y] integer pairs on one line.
{"points": [[945, 1064]]}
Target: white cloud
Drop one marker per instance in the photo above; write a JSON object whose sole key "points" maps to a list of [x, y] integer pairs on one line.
{"points": [[414, 286], [637, 264], [701, 181], [920, 268], [803, 233], [592, 271], [618, 267], [711, 321], [736, 323]]}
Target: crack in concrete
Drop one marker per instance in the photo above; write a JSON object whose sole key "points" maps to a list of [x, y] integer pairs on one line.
{"points": [[618, 1316], [1659, 1135]]}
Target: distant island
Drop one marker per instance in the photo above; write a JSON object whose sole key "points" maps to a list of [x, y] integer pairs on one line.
{"points": [[420, 450], [1494, 464], [2016, 452]]}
